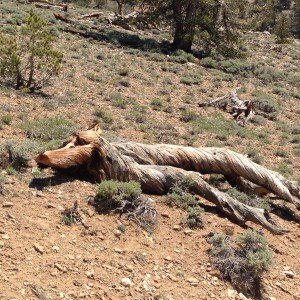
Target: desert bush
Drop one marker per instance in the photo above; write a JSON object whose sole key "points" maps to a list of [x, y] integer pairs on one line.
{"points": [[260, 120], [295, 130], [296, 151], [194, 217], [6, 119], [181, 56], [49, 129], [188, 115], [254, 155], [124, 72], [250, 200], [103, 115], [284, 169], [241, 261], [280, 153], [27, 58], [180, 196], [125, 198], [209, 62], [191, 79], [20, 153], [295, 95], [265, 102], [157, 104]]}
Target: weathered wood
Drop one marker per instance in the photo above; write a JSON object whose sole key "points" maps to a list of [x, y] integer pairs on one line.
{"points": [[64, 19], [232, 100], [123, 21], [46, 6], [93, 15], [49, 3], [159, 167]]}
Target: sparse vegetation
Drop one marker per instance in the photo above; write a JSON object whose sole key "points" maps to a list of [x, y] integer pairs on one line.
{"points": [[139, 89], [241, 261], [49, 129], [125, 198]]}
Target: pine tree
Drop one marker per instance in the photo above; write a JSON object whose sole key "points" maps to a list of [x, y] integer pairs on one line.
{"points": [[296, 19], [211, 22], [282, 29], [27, 59]]}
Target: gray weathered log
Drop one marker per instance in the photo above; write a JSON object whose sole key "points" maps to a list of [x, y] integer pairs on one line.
{"points": [[90, 152]]}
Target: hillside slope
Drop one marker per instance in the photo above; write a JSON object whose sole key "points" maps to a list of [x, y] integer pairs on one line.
{"points": [[138, 93]]}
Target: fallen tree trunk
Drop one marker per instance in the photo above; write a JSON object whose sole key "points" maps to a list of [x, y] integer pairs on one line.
{"points": [[93, 15], [48, 4], [213, 160], [92, 154], [64, 19]]}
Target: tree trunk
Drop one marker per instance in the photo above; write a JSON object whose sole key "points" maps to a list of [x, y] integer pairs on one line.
{"points": [[159, 167], [184, 25], [120, 7]]}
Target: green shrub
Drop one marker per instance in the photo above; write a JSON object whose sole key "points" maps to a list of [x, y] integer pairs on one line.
{"points": [[124, 72], [157, 104], [93, 77], [254, 155], [182, 57], [49, 129], [265, 102], [181, 197], [281, 153], [28, 60], [103, 115], [209, 62], [122, 228], [122, 103], [191, 79], [125, 197], [188, 115], [260, 120], [250, 200], [295, 95], [20, 153], [194, 217], [284, 169], [296, 151], [241, 261], [6, 119]]}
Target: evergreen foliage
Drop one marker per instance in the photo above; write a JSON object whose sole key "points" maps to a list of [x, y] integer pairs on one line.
{"points": [[211, 24], [282, 29], [27, 57]]}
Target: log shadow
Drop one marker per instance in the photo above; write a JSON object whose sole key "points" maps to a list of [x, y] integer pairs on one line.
{"points": [[284, 212], [128, 39], [58, 178]]}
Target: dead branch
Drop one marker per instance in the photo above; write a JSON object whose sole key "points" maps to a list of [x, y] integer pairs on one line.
{"points": [[47, 4], [64, 19], [93, 15], [123, 21], [235, 105]]}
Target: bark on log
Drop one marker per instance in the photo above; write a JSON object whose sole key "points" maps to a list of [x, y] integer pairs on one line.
{"points": [[155, 167], [64, 19], [56, 5], [93, 15], [237, 106], [46, 6]]}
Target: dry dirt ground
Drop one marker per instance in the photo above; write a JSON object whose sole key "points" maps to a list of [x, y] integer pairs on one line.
{"points": [[41, 257]]}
